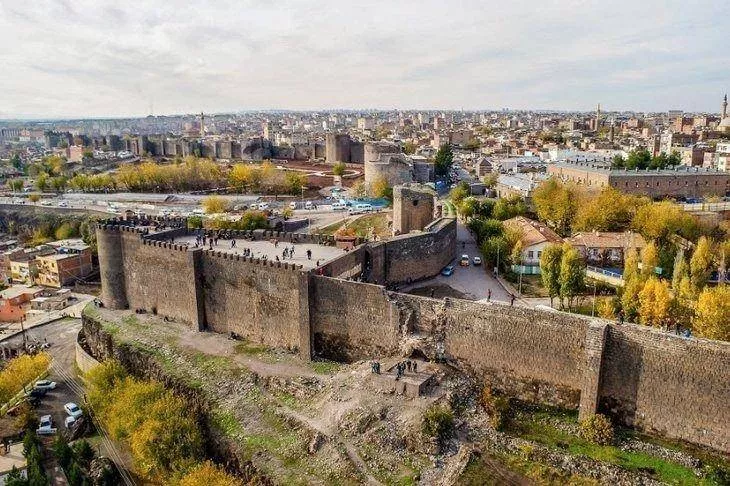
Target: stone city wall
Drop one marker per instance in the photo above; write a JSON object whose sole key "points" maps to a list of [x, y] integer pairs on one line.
{"points": [[643, 378], [255, 299], [352, 321], [663, 383], [417, 256]]}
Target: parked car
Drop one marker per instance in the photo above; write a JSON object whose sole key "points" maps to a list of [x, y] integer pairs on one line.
{"points": [[263, 206], [477, 260], [447, 271], [36, 393], [69, 422], [464, 260], [338, 206], [45, 427], [73, 410], [308, 205], [45, 384], [293, 205]]}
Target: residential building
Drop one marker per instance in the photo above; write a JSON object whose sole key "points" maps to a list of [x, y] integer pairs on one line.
{"points": [[71, 262], [14, 300], [535, 237], [606, 249]]}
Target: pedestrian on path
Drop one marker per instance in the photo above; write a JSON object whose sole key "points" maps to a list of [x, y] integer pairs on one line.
{"points": [[512, 299], [489, 295]]}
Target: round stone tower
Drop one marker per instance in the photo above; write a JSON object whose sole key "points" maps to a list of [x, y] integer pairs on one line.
{"points": [[111, 266], [385, 160]]}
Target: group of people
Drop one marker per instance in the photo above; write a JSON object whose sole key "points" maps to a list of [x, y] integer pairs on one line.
{"points": [[401, 367]]}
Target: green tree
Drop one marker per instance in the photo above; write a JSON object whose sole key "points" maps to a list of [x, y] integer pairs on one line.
{"points": [[339, 169], [506, 208], [556, 204], [700, 265], [15, 185], [444, 160], [571, 275], [294, 182], [458, 193], [713, 313], [381, 188], [409, 148], [550, 261]]}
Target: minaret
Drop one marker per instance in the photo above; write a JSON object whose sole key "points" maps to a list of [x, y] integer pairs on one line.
{"points": [[598, 116], [202, 125], [723, 113]]}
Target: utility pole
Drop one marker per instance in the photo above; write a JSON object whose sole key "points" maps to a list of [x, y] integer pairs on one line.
{"points": [[22, 333], [593, 310]]}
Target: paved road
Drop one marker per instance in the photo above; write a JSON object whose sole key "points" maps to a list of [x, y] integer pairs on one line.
{"points": [[474, 281], [61, 335]]}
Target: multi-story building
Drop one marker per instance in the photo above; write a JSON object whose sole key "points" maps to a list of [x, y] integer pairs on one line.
{"points": [[678, 182], [13, 302], [71, 262]]}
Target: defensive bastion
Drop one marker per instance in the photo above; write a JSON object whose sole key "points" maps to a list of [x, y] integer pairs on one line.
{"points": [[644, 378]]}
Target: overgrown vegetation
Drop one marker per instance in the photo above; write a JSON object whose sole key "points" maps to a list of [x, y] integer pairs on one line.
{"points": [[438, 422], [163, 438], [597, 429]]}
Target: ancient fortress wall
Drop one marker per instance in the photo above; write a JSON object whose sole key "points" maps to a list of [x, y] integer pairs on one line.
{"points": [[257, 300], [160, 277], [666, 384], [351, 320], [644, 378]]}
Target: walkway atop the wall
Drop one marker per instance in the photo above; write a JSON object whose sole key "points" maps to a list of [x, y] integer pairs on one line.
{"points": [[261, 248]]}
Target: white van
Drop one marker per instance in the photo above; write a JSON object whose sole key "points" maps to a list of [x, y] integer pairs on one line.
{"points": [[364, 208], [308, 205], [338, 206], [293, 205]]}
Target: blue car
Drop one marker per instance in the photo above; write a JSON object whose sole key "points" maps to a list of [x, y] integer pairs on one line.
{"points": [[447, 271]]}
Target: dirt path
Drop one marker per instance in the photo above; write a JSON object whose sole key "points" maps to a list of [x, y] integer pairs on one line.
{"points": [[331, 435]]}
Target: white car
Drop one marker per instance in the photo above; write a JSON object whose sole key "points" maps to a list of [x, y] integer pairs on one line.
{"points": [[263, 206], [45, 427], [69, 422], [73, 410], [45, 385], [292, 205]]}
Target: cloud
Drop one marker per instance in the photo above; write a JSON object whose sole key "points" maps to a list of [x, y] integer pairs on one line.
{"points": [[103, 58]]}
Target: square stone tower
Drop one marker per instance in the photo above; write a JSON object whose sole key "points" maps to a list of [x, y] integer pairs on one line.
{"points": [[413, 207]]}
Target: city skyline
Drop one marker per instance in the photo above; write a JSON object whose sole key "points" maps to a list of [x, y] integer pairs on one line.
{"points": [[95, 60]]}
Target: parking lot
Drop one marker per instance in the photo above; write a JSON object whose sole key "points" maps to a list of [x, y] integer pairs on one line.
{"points": [[473, 281]]}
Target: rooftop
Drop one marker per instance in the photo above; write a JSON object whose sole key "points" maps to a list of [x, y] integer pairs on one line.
{"points": [[598, 239], [676, 171], [18, 290], [533, 232], [266, 248]]}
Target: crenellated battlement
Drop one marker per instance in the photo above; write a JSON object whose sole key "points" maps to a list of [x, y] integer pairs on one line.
{"points": [[166, 244], [257, 261]]}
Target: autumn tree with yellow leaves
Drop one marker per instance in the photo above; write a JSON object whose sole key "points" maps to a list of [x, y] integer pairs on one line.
{"points": [[712, 318]]}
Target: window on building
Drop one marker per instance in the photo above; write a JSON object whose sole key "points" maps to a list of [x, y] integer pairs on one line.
{"points": [[530, 254]]}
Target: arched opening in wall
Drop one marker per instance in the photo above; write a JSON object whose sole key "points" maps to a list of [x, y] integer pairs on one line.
{"points": [[415, 202], [418, 354]]}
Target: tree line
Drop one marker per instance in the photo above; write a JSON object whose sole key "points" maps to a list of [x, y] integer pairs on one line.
{"points": [[188, 174]]}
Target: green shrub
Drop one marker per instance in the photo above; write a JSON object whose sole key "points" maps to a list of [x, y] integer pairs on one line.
{"points": [[438, 422], [597, 429], [498, 407]]}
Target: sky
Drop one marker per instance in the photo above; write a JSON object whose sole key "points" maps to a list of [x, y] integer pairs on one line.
{"points": [[99, 58]]}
